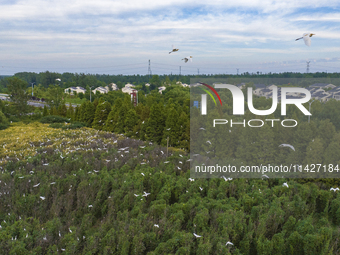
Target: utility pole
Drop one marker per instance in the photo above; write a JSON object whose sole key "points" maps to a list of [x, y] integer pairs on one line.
{"points": [[167, 146], [237, 70], [307, 71], [180, 70], [32, 87], [149, 70], [90, 93], [198, 71]]}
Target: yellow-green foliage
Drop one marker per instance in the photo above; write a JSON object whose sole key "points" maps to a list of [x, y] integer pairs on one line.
{"points": [[22, 141]]}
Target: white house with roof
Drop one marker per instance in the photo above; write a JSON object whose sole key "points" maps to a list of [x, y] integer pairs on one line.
{"points": [[160, 89], [128, 90], [78, 89], [100, 90], [113, 86], [322, 85], [129, 85]]}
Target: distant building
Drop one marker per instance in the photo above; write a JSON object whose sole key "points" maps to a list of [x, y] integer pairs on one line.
{"points": [[129, 85], [322, 85], [75, 89], [100, 90], [113, 87], [160, 89], [128, 90]]}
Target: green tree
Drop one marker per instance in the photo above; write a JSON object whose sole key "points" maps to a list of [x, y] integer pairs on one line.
{"points": [[18, 94], [45, 112], [62, 110], [4, 123], [55, 96], [130, 122], [156, 123], [102, 111]]}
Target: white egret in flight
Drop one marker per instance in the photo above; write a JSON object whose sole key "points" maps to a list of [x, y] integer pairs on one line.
{"points": [[306, 37], [187, 59], [173, 49]]}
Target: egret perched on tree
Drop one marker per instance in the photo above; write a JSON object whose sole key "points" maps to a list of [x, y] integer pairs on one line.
{"points": [[173, 49], [187, 59], [306, 37]]}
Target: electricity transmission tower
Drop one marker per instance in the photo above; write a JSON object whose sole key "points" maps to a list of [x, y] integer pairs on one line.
{"points": [[149, 70]]}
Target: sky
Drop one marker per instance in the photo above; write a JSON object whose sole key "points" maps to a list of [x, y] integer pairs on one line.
{"points": [[120, 37]]}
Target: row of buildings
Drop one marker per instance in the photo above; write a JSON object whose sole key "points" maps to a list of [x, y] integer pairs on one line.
{"points": [[320, 91], [128, 88]]}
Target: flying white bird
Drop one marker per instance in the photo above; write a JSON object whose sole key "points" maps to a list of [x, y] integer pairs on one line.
{"points": [[306, 38], [229, 243], [285, 184], [43, 198], [173, 49], [166, 162], [90, 206], [192, 180], [287, 145], [70, 230], [187, 59], [168, 129], [227, 179], [156, 225], [136, 195], [34, 186], [334, 189], [143, 174], [197, 236], [146, 194], [201, 188], [266, 176]]}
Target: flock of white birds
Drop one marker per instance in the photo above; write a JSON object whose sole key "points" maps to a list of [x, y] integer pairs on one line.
{"points": [[306, 38]]}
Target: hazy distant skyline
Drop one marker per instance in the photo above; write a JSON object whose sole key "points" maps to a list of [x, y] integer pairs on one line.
{"points": [[119, 37]]}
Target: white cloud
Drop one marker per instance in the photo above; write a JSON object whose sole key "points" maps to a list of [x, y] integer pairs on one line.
{"points": [[130, 31]]}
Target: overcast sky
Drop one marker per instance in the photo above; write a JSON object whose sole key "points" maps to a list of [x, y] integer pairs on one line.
{"points": [[119, 37]]}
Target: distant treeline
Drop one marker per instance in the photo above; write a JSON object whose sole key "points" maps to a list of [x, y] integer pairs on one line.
{"points": [[88, 80]]}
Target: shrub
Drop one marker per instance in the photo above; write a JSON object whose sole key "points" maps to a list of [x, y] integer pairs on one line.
{"points": [[74, 125], [4, 123], [56, 125], [54, 119]]}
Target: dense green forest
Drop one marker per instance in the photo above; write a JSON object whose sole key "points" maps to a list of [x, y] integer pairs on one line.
{"points": [[86, 190]]}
